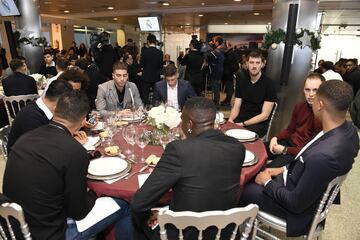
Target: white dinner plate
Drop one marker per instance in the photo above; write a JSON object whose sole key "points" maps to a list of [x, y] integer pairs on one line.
{"points": [[249, 157], [241, 134], [107, 166], [99, 126]]}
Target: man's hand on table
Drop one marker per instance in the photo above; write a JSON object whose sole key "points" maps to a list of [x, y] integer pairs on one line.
{"points": [[266, 175], [153, 220], [81, 137]]}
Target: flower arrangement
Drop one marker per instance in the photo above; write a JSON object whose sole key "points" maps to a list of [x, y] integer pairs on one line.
{"points": [[304, 38], [164, 118], [26, 40], [40, 79]]}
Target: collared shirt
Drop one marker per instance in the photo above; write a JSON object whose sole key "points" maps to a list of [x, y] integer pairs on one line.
{"points": [[121, 94], [40, 103], [172, 96], [50, 81], [52, 64]]}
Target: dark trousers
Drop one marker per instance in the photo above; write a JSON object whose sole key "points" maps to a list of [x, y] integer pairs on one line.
{"points": [[279, 160], [146, 86], [215, 88]]}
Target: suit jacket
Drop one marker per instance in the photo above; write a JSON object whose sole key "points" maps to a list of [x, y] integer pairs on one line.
{"points": [[309, 175], [152, 63], [19, 84], [185, 91], [193, 62], [108, 100], [200, 180]]}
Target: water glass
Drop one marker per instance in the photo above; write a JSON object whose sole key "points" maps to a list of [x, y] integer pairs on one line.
{"points": [[142, 140], [130, 133]]}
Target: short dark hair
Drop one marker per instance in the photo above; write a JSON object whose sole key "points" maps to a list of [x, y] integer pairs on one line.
{"points": [[48, 51], [56, 89], [62, 63], [15, 64], [130, 40], [256, 54], [316, 76], [338, 93], [151, 38], [82, 63], [200, 109], [73, 57], [170, 70], [353, 60], [218, 39], [21, 58], [327, 65], [120, 66], [75, 75], [72, 106]]}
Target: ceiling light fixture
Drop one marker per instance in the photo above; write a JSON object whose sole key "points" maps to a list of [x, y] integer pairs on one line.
{"points": [[166, 4], [269, 23], [66, 11], [201, 15], [226, 23], [202, 4], [115, 19], [237, 0], [256, 13], [110, 8], [188, 24]]}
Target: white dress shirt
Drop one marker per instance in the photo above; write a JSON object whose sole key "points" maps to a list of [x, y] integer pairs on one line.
{"points": [[331, 75], [50, 81], [40, 103], [172, 96]]}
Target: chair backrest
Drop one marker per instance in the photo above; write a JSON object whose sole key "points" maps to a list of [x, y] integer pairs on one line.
{"points": [[203, 220], [13, 210], [13, 104], [4, 134], [266, 137], [326, 201]]}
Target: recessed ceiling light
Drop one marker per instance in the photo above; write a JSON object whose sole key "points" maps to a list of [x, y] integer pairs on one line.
{"points": [[269, 23], [201, 15], [166, 4], [66, 11], [202, 4], [110, 8], [47, 2], [237, 0], [188, 24], [226, 23], [115, 19], [256, 13]]}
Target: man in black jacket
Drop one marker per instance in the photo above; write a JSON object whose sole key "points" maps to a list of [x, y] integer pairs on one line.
{"points": [[152, 63], [18, 83]]}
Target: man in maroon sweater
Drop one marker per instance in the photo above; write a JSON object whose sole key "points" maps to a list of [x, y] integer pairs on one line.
{"points": [[302, 128]]}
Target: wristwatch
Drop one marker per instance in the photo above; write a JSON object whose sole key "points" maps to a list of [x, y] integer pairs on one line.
{"points": [[284, 152]]}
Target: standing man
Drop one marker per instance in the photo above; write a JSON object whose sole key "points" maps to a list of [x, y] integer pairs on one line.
{"points": [[254, 98], [46, 174], [353, 74], [303, 127], [231, 65], [118, 93], [294, 192], [19, 83], [152, 63], [3, 60], [172, 91]]}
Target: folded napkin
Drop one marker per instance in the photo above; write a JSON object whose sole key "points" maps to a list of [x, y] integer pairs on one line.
{"points": [[90, 144]]}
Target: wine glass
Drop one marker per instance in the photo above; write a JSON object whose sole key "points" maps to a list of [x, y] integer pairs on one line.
{"points": [[130, 133], [127, 150], [165, 138], [142, 140]]}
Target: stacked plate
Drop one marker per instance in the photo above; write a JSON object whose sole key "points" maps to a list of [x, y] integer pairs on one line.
{"points": [[107, 168], [136, 118], [242, 135], [250, 158]]}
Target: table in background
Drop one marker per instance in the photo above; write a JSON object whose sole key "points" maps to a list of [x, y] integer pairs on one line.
{"points": [[126, 188]]}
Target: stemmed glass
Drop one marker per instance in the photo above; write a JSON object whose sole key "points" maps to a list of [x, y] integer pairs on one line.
{"points": [[130, 133], [142, 140], [165, 138], [127, 150]]}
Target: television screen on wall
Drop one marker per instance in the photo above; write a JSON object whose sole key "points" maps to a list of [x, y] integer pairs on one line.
{"points": [[149, 24], [8, 8]]}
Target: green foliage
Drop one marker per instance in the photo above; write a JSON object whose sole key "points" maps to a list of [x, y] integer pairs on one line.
{"points": [[36, 42]]}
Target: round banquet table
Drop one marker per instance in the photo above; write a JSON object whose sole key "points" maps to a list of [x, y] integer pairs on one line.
{"points": [[126, 188]]}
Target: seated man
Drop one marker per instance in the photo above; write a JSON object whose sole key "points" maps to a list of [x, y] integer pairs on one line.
{"points": [[48, 69], [61, 66], [254, 97], [46, 175], [172, 91], [19, 83], [196, 176], [294, 192], [118, 93], [302, 127], [76, 78], [38, 113]]}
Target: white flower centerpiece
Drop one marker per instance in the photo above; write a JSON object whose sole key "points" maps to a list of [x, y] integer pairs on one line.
{"points": [[40, 79], [163, 119]]}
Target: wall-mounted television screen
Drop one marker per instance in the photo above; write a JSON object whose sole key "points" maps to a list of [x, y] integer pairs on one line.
{"points": [[8, 8], [149, 24]]}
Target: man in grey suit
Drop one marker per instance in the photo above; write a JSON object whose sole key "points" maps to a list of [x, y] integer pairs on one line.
{"points": [[293, 192], [118, 93]]}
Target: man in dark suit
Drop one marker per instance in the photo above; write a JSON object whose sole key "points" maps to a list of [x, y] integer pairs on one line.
{"points": [[172, 91], [293, 192], [200, 180], [18, 83], [152, 63]]}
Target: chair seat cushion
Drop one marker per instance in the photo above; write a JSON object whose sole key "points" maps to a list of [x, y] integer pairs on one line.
{"points": [[272, 221]]}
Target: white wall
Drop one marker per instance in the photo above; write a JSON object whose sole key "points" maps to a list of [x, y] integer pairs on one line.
{"points": [[334, 47], [176, 42]]}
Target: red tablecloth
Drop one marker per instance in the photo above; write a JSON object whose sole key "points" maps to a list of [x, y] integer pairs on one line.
{"points": [[125, 189]]}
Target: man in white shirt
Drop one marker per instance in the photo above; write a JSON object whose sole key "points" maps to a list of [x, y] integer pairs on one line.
{"points": [[293, 192], [329, 73], [172, 91]]}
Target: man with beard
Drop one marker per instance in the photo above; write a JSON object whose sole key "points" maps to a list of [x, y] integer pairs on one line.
{"points": [[254, 98]]}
